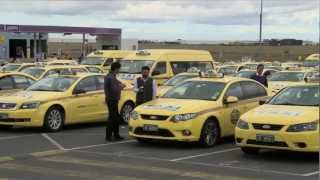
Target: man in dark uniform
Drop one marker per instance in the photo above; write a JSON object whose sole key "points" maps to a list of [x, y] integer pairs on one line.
{"points": [[112, 89], [259, 76], [145, 87]]}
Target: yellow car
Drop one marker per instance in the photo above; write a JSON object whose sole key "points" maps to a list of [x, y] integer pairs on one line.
{"points": [[16, 67], [56, 101], [289, 121], [282, 79], [202, 109], [41, 72], [11, 82], [61, 62]]}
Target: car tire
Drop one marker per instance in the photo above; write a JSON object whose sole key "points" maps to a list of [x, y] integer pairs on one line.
{"points": [[250, 150], [54, 119], [6, 126], [210, 133], [144, 140], [126, 109]]}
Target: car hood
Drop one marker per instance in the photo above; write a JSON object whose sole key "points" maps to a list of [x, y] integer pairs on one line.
{"points": [[164, 106], [30, 96], [282, 114]]}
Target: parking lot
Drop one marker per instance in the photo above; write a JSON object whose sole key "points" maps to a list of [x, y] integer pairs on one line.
{"points": [[80, 152]]}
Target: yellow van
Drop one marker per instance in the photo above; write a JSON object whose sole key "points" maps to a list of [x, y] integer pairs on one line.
{"points": [[104, 58], [164, 63]]}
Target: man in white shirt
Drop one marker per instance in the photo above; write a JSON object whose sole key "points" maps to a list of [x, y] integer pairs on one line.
{"points": [[145, 87]]}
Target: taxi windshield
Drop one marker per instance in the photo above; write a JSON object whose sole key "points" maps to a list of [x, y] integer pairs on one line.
{"points": [[228, 70], [134, 66], [178, 79], [287, 76], [35, 72], [200, 90], [11, 67], [92, 61], [298, 96], [56, 84], [311, 63], [246, 74]]}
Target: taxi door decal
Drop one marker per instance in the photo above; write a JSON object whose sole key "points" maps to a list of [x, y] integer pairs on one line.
{"points": [[234, 116]]}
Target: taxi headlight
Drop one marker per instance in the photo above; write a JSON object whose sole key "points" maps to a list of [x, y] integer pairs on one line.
{"points": [[242, 124], [312, 126], [134, 115], [30, 105], [183, 117]]}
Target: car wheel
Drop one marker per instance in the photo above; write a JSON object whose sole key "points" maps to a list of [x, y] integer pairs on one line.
{"points": [[6, 126], [144, 140], [210, 133], [250, 150], [54, 119], [125, 112]]}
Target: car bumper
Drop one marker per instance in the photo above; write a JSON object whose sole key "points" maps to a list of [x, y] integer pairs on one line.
{"points": [[28, 117], [167, 130], [302, 141]]}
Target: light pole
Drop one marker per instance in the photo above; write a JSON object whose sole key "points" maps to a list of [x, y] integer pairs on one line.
{"points": [[260, 27]]}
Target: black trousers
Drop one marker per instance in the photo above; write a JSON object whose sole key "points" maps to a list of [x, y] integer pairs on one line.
{"points": [[112, 127]]}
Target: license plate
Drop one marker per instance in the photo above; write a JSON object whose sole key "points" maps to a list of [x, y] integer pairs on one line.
{"points": [[265, 138], [148, 127], [3, 116]]}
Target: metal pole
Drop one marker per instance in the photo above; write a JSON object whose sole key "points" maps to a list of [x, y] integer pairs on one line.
{"points": [[260, 30], [34, 45], [83, 44], [40, 46]]}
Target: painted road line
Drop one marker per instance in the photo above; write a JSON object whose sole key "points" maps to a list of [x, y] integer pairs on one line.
{"points": [[311, 174], [15, 137], [99, 145], [204, 154], [59, 146], [243, 168], [47, 153]]}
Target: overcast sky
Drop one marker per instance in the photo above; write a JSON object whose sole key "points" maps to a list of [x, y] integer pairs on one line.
{"points": [[170, 19]]}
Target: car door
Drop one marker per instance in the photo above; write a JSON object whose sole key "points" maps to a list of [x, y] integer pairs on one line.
{"points": [[101, 107], [253, 92], [159, 72], [233, 111], [83, 102]]}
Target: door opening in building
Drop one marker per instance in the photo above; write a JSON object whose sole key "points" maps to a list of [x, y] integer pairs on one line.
{"points": [[18, 48]]}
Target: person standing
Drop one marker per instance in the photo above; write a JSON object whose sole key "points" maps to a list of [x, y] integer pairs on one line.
{"points": [[145, 87], [259, 76], [112, 89]]}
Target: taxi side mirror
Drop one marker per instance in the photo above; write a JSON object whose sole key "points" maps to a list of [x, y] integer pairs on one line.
{"points": [[231, 99], [262, 102], [79, 91]]}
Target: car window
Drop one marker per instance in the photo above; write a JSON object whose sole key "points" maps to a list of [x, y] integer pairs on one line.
{"points": [[100, 84], [78, 70], [94, 70], [108, 62], [161, 68], [235, 90], [183, 66], [6, 83], [20, 82], [252, 90], [88, 84]]}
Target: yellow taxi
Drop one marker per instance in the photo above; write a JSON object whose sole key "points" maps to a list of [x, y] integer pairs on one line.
{"points": [[39, 72], [11, 82], [93, 69], [60, 62], [164, 63], [56, 101], [16, 67], [288, 121], [201, 109], [104, 58], [282, 79], [312, 60]]}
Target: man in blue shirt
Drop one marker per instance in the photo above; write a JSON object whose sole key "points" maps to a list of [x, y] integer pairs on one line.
{"points": [[259, 76]]}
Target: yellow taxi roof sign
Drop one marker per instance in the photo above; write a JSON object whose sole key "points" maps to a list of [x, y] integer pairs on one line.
{"points": [[211, 74]]}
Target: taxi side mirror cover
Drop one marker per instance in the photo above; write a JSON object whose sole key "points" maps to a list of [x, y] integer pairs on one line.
{"points": [[231, 99]]}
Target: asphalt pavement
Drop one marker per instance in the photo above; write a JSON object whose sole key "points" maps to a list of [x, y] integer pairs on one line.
{"points": [[80, 152]]}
